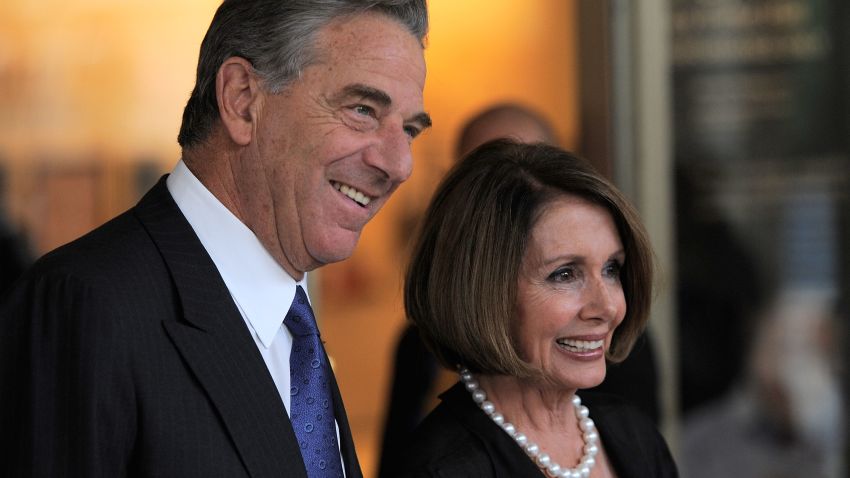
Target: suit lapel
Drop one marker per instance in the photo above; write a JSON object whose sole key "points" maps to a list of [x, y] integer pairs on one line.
{"points": [[349, 455], [218, 348]]}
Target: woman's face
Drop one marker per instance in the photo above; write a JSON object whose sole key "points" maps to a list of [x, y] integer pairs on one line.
{"points": [[569, 298]]}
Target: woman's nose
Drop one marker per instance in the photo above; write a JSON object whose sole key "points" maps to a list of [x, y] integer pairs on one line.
{"points": [[603, 300]]}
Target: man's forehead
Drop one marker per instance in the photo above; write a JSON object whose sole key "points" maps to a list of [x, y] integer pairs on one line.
{"points": [[363, 33]]}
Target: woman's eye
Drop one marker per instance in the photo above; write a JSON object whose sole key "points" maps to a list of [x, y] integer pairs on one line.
{"points": [[564, 274], [613, 269]]}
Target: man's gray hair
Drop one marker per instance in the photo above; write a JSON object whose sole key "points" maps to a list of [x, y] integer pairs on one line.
{"points": [[278, 38]]}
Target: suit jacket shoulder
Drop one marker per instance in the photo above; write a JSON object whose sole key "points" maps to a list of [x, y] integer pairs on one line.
{"points": [[458, 440]]}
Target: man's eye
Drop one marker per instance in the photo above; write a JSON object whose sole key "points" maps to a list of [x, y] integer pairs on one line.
{"points": [[412, 131], [364, 110]]}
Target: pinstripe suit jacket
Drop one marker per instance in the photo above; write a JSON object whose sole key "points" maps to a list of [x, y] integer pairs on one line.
{"points": [[123, 354]]}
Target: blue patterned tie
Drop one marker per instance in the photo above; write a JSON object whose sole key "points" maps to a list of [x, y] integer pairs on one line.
{"points": [[311, 408]]}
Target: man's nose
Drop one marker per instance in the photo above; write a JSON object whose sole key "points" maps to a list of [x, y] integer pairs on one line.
{"points": [[392, 154]]}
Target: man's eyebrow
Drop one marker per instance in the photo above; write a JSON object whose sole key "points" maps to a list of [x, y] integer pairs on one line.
{"points": [[365, 92]]}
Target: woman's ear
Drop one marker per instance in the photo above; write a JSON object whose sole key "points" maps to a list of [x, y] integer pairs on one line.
{"points": [[236, 90]]}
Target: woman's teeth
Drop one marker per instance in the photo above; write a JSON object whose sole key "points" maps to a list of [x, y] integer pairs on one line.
{"points": [[580, 345], [354, 194]]}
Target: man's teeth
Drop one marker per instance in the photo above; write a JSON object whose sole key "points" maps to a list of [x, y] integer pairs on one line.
{"points": [[580, 345], [354, 194]]}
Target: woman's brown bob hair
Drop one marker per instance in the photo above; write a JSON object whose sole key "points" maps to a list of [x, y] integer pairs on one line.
{"points": [[461, 285]]}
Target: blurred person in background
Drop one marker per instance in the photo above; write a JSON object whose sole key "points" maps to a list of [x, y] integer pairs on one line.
{"points": [[531, 271], [13, 257], [714, 316], [504, 120], [760, 358], [14, 252], [784, 417], [177, 340]]}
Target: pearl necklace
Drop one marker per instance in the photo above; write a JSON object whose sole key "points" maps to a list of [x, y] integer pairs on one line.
{"points": [[589, 433]]}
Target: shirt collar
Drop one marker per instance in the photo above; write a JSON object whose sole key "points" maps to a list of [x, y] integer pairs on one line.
{"points": [[262, 289]]}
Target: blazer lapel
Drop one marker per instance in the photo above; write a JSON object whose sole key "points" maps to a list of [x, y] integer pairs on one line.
{"points": [[217, 347]]}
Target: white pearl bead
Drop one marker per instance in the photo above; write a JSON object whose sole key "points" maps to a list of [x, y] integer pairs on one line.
{"points": [[591, 436], [584, 471], [472, 386], [466, 376], [591, 449], [532, 449], [509, 428], [478, 396], [521, 439], [583, 412], [543, 460], [575, 474], [488, 408], [576, 400], [586, 424], [588, 461], [498, 418], [554, 469]]}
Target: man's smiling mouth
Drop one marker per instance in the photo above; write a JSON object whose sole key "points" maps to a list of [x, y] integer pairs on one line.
{"points": [[352, 193]]}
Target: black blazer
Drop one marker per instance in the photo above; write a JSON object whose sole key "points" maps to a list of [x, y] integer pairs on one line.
{"points": [[123, 354], [457, 440]]}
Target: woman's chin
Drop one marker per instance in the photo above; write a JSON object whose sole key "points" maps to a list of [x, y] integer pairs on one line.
{"points": [[580, 380]]}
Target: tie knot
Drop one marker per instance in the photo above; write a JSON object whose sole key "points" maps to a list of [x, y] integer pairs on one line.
{"points": [[300, 320]]}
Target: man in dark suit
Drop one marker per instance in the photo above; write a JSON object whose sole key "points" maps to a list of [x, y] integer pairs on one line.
{"points": [[161, 344]]}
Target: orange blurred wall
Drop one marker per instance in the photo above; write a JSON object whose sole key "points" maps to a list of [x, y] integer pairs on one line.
{"points": [[90, 88]]}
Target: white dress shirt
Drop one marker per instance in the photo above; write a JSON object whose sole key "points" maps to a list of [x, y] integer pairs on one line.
{"points": [[260, 287]]}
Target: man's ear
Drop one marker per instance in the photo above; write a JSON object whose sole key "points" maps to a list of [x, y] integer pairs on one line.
{"points": [[237, 89]]}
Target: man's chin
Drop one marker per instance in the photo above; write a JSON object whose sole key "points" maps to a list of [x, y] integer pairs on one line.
{"points": [[335, 249]]}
